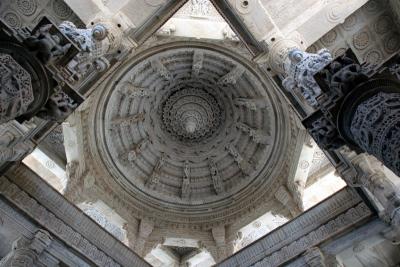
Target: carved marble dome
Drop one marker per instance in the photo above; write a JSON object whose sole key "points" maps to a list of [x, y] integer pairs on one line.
{"points": [[190, 132]]}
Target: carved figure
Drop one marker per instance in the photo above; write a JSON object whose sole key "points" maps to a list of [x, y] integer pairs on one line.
{"points": [[137, 149], [243, 164], [232, 76], [158, 66], [257, 135], [57, 108], [130, 90], [301, 68], [155, 175], [95, 43], [216, 178], [198, 58], [186, 180], [325, 134], [46, 45], [252, 104]]}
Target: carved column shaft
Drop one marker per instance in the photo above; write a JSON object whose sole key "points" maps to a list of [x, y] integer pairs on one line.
{"points": [[375, 127], [366, 171]]}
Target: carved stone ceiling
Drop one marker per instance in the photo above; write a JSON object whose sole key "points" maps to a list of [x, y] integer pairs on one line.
{"points": [[190, 130]]}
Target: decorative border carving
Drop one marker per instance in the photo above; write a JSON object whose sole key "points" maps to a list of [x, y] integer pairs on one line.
{"points": [[80, 233], [332, 216]]}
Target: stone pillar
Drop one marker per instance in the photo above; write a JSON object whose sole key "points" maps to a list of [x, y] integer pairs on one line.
{"points": [[132, 229], [218, 233], [286, 199], [145, 228], [26, 252], [366, 171], [314, 258]]}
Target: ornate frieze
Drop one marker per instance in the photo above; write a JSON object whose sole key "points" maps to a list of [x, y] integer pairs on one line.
{"points": [[55, 225], [331, 217], [64, 221]]}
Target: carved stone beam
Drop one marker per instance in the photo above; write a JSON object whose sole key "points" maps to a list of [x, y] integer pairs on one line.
{"points": [[243, 164], [232, 76], [252, 104], [198, 58], [285, 198], [186, 188], [257, 136], [154, 177], [25, 252], [128, 120], [216, 178], [160, 68]]}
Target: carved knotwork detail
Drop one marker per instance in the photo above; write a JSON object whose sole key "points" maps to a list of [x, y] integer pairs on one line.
{"points": [[376, 128], [325, 134], [16, 92]]}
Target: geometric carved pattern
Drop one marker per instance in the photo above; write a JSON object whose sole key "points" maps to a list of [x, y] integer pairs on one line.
{"points": [[191, 115], [370, 32]]}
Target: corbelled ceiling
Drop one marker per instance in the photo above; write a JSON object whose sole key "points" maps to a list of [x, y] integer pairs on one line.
{"points": [[190, 132]]}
